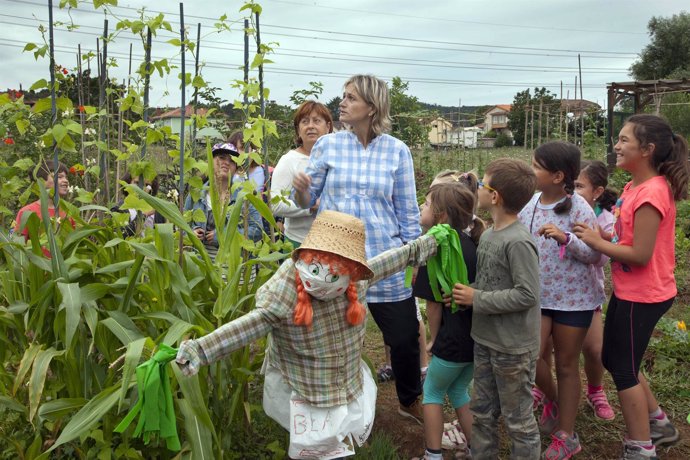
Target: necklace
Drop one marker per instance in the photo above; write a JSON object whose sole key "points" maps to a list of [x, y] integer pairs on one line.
{"points": [[534, 211]]}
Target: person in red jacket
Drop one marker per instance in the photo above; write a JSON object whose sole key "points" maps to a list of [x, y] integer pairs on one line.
{"points": [[45, 171]]}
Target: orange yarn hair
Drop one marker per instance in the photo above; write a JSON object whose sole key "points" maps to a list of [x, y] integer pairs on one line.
{"points": [[339, 266]]}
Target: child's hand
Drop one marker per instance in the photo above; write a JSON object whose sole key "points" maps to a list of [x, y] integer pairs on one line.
{"points": [[188, 358], [463, 295], [589, 236], [551, 231]]}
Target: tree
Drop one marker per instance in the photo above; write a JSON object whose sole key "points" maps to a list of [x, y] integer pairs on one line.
{"points": [[409, 119], [516, 121], [669, 50], [334, 107]]}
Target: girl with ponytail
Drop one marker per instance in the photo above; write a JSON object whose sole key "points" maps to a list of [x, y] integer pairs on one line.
{"points": [[570, 291], [641, 248]]}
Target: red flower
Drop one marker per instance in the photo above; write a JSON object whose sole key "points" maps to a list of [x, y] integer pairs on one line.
{"points": [[9, 141], [17, 94], [81, 109], [72, 170], [65, 71]]}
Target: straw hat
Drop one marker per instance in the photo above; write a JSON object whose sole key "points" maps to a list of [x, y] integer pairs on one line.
{"points": [[340, 234]]}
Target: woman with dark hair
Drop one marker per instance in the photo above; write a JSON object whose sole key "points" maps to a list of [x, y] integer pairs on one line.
{"points": [[224, 168], [369, 174], [311, 121]]}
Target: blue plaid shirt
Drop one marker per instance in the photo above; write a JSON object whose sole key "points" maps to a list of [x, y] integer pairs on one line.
{"points": [[375, 184]]}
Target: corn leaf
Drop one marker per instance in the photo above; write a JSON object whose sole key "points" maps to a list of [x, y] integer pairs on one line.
{"points": [[58, 408], [71, 303], [25, 365], [122, 327], [198, 435], [87, 417], [132, 358], [38, 378]]}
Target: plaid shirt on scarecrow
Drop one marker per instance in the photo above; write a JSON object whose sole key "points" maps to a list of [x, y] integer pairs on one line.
{"points": [[322, 362]]}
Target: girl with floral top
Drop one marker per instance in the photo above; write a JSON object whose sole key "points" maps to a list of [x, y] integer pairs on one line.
{"points": [[569, 289]]}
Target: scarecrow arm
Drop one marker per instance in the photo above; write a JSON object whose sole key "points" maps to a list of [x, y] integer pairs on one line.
{"points": [[224, 340], [415, 253]]}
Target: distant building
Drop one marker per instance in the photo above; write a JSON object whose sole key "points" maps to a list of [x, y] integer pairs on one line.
{"points": [[439, 134], [173, 117], [496, 119], [465, 137], [578, 107]]}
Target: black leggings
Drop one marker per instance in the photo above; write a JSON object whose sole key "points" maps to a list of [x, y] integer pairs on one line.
{"points": [[627, 330], [400, 328]]}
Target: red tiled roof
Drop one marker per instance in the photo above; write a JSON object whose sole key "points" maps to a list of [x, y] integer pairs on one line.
{"points": [[175, 113]]}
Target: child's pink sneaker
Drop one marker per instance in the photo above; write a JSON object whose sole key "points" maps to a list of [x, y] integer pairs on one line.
{"points": [[602, 409], [549, 418], [537, 397], [562, 446]]}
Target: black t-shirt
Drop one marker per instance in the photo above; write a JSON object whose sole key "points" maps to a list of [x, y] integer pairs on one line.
{"points": [[453, 341]]}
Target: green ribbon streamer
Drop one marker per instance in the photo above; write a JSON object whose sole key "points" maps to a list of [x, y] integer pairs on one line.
{"points": [[155, 404], [447, 267]]}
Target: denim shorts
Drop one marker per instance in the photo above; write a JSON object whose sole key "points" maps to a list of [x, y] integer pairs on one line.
{"points": [[579, 318]]}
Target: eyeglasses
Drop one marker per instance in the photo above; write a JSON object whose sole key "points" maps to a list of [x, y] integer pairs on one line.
{"points": [[486, 186]]}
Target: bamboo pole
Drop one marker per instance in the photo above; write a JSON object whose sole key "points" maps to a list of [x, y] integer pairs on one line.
{"points": [[245, 207], [560, 114], [264, 145], [582, 106], [103, 127], [82, 116], [147, 85], [541, 110], [182, 114], [196, 90], [532, 130], [53, 106], [524, 139], [575, 124]]}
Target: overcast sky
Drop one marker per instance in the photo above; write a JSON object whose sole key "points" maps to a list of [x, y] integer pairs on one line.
{"points": [[470, 52]]}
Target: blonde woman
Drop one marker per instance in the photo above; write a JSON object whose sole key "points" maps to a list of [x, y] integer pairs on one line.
{"points": [[369, 174]]}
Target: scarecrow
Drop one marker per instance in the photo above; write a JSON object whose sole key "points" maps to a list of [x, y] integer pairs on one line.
{"points": [[316, 384]]}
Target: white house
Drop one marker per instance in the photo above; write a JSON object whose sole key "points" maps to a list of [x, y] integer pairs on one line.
{"points": [[465, 137], [172, 118]]}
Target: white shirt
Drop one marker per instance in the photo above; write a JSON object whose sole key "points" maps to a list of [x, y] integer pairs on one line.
{"points": [[297, 220]]}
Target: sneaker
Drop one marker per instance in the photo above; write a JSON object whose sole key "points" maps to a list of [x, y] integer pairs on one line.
{"points": [[549, 418], [562, 446], [600, 404], [638, 453], [385, 373], [453, 439], [538, 397], [663, 434], [413, 411]]}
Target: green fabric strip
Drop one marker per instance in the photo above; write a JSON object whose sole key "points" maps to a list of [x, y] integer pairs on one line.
{"points": [[447, 267], [155, 404]]}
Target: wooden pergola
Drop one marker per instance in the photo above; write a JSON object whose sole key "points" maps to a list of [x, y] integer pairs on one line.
{"points": [[642, 93]]}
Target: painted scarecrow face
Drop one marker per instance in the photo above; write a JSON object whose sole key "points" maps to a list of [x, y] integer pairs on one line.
{"points": [[319, 281]]}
